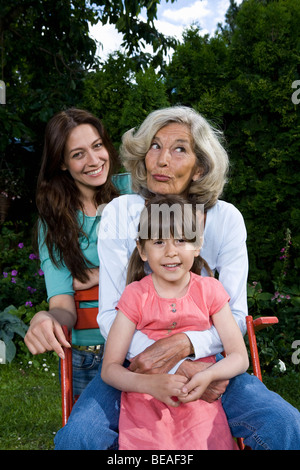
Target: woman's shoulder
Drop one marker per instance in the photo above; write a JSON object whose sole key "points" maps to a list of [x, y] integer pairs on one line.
{"points": [[225, 208], [225, 213], [125, 199]]}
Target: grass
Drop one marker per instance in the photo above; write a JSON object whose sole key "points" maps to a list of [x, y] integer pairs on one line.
{"points": [[30, 405], [30, 402]]}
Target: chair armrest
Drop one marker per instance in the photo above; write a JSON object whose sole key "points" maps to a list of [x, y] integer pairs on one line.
{"points": [[263, 322]]}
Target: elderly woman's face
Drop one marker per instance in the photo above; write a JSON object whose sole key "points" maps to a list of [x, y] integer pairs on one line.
{"points": [[171, 163]]}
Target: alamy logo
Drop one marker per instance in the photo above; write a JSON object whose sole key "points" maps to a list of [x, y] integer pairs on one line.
{"points": [[295, 95], [121, 221], [2, 92]]}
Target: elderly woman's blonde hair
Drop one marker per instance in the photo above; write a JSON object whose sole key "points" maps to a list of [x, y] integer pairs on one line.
{"points": [[206, 143]]}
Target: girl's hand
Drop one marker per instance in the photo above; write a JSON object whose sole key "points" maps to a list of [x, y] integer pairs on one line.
{"points": [[214, 390], [195, 388], [167, 388]]}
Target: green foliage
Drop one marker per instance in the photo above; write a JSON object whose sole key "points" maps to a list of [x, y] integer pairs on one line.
{"points": [[123, 96], [9, 326], [241, 81], [275, 343], [21, 279]]}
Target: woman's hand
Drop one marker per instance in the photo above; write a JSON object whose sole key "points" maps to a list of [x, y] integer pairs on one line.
{"points": [[93, 280], [213, 391], [45, 334], [161, 356]]}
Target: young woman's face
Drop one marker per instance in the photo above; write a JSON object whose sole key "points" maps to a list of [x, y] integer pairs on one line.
{"points": [[171, 163], [86, 158], [170, 259]]}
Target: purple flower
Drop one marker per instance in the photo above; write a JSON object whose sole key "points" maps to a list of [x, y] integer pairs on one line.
{"points": [[32, 256], [21, 245], [41, 273], [31, 289], [5, 274], [13, 280], [28, 304], [14, 272]]}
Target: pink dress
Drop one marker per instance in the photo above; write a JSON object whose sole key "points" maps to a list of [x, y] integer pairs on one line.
{"points": [[145, 422]]}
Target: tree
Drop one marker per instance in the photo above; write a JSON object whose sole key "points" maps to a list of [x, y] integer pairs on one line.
{"points": [[241, 79], [46, 52]]}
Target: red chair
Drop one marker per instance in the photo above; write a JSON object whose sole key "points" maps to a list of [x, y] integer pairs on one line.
{"points": [[87, 319]]}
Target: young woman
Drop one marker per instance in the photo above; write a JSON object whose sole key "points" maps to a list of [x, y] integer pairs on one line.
{"points": [[75, 177], [163, 411]]}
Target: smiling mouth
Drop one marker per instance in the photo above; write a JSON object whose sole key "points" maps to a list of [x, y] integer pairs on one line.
{"points": [[95, 172], [171, 266]]}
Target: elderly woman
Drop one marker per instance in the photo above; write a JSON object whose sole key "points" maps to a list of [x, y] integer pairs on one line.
{"points": [[176, 151]]}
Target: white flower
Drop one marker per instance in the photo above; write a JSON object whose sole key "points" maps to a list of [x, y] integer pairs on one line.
{"points": [[280, 366]]}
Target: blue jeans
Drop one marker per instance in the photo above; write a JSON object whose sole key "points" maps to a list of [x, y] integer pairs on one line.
{"points": [[260, 416], [85, 367]]}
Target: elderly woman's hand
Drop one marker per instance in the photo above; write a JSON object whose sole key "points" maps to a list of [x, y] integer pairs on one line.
{"points": [[215, 389], [161, 356]]}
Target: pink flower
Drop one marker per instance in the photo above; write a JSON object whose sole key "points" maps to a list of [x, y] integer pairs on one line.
{"points": [[21, 245], [14, 272]]}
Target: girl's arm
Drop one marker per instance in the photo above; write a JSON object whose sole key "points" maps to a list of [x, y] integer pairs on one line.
{"points": [[161, 386], [236, 361]]}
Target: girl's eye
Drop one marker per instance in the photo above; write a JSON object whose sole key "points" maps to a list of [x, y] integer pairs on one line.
{"points": [[181, 241], [98, 145], [158, 242]]}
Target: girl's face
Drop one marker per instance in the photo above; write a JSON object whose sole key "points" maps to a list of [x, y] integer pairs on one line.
{"points": [[170, 259], [86, 159], [171, 163]]}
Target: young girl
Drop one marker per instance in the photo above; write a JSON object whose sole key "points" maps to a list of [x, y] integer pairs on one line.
{"points": [[164, 411]]}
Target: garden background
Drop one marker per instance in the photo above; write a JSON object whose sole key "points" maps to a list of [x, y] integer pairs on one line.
{"points": [[244, 79]]}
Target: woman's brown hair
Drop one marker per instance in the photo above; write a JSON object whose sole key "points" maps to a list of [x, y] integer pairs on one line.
{"points": [[181, 222], [57, 196]]}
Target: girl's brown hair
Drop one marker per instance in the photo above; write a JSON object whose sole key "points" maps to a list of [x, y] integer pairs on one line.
{"points": [[57, 196], [181, 222]]}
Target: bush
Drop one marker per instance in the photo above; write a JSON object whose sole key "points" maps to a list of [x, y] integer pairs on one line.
{"points": [[21, 279], [275, 344]]}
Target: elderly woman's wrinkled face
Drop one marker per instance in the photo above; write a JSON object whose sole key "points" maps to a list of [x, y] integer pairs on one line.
{"points": [[171, 163]]}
